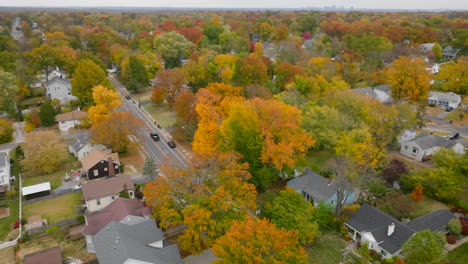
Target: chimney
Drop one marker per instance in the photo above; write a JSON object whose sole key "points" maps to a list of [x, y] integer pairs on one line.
{"points": [[111, 167], [391, 229]]}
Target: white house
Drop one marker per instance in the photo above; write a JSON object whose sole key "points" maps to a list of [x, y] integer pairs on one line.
{"points": [[60, 89], [424, 145], [98, 194], [444, 99], [70, 119], [382, 92], [425, 47], [4, 172], [56, 73], [434, 68], [80, 147], [408, 134]]}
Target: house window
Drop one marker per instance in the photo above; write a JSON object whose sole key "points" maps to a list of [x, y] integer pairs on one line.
{"points": [[98, 201], [383, 252], [105, 169], [406, 147], [96, 173], [113, 197], [415, 150]]}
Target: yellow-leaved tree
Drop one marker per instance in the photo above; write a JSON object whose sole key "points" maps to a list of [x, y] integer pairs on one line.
{"points": [[106, 101]]}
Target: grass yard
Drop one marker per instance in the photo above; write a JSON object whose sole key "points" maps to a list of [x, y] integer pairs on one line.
{"points": [[145, 96], [459, 255], [458, 116], [55, 178], [316, 160], [162, 114], [5, 223], [34, 101], [54, 210], [328, 249], [133, 160], [428, 205], [7, 255]]}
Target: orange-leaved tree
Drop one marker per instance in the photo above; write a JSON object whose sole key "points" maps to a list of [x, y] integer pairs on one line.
{"points": [[106, 101], [417, 194], [258, 241]]}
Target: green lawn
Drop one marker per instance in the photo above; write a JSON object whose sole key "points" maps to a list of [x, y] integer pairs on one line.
{"points": [[459, 255], [54, 210], [328, 248], [162, 114], [316, 160], [54, 178], [7, 255], [5, 223], [427, 205]]}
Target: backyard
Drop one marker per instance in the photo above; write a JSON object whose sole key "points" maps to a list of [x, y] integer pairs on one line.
{"points": [[5, 223], [54, 210], [459, 255], [316, 160], [329, 249]]}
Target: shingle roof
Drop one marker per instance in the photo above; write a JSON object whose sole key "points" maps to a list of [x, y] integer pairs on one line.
{"points": [[116, 243], [96, 156], [366, 90], [115, 211], [450, 97], [58, 79], [435, 221], [105, 187], [48, 256], [315, 185], [79, 142], [73, 115], [371, 219], [428, 141], [4, 160]]}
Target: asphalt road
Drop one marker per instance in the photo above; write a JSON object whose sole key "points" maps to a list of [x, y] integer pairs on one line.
{"points": [[159, 150], [16, 34]]}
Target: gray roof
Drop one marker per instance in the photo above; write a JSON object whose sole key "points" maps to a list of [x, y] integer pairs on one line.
{"points": [[366, 90], [58, 79], [435, 221], [116, 243], [449, 97], [383, 87], [80, 141], [4, 160], [315, 185], [428, 141], [371, 219]]}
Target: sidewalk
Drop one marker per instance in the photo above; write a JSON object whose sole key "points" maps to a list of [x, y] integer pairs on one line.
{"points": [[459, 243]]}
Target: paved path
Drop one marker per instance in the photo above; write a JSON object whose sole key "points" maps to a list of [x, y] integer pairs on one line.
{"points": [[206, 257], [459, 243]]}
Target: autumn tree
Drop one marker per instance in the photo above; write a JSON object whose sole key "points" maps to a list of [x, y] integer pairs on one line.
{"points": [[424, 247], [440, 183], [417, 194], [409, 79], [454, 76], [206, 197], [168, 84], [258, 241], [47, 114], [44, 58], [302, 219], [6, 131], [106, 101], [114, 131], [186, 116], [44, 152], [86, 76], [172, 46], [252, 70], [8, 92], [285, 73]]}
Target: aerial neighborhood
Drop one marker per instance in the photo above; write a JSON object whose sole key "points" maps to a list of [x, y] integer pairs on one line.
{"points": [[233, 135]]}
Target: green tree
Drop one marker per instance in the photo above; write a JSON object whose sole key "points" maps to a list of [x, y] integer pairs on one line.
{"points": [[440, 183], [437, 50], [87, 75], [449, 159], [45, 58], [302, 219], [47, 114], [424, 247], [150, 168], [172, 46], [8, 92], [138, 78], [6, 131]]}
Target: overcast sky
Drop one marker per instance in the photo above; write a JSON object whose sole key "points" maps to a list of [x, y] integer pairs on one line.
{"points": [[396, 4]]}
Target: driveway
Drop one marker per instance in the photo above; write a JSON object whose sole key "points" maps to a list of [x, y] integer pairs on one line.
{"points": [[19, 132], [205, 257], [441, 125]]}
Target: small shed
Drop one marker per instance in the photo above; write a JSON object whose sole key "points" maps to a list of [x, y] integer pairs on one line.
{"points": [[35, 191], [76, 232]]}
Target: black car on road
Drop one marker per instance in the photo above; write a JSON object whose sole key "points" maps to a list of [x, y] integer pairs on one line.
{"points": [[171, 144], [154, 136]]}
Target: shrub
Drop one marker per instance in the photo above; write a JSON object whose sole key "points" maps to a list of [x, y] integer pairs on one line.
{"points": [[16, 224], [432, 105], [454, 227], [451, 239], [80, 219]]}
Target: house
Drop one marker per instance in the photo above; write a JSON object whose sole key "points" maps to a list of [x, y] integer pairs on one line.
{"points": [[120, 210], [425, 47], [4, 172], [408, 134], [56, 73], [315, 188], [382, 92], [434, 68], [70, 119], [424, 145], [142, 242], [449, 53], [100, 163], [35, 191], [59, 88], [48, 256], [35, 221], [444, 99], [100, 193], [385, 234], [80, 147]]}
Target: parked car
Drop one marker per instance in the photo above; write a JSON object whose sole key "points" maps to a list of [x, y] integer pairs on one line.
{"points": [[453, 136], [154, 136], [448, 109], [127, 97], [171, 144]]}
